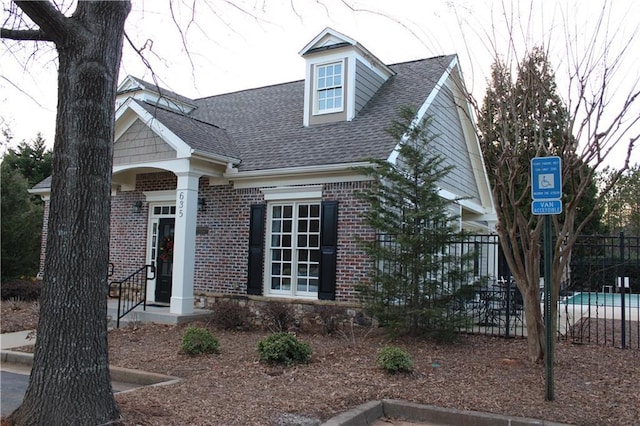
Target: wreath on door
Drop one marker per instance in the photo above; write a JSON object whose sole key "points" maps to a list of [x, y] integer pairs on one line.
{"points": [[166, 249]]}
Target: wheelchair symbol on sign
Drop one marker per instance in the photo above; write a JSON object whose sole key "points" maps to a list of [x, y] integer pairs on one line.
{"points": [[545, 181]]}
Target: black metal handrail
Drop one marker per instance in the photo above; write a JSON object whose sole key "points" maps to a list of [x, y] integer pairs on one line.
{"points": [[132, 291]]}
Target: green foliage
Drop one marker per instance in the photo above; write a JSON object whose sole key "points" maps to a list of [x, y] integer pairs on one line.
{"points": [[415, 277], [393, 360], [284, 348], [21, 225], [196, 341], [622, 208], [33, 160]]}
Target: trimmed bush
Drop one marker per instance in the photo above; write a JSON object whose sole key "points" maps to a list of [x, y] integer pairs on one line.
{"points": [[198, 341], [284, 348], [392, 359]]}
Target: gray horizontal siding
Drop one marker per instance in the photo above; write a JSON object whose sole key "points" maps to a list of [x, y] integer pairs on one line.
{"points": [[367, 84], [450, 142]]}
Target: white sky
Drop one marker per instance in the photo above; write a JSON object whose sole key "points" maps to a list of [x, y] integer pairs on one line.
{"points": [[233, 49]]}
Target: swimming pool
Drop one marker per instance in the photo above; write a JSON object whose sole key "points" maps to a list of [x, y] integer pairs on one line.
{"points": [[603, 299]]}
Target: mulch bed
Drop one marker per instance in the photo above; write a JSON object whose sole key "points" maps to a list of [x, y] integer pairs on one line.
{"points": [[594, 385]]}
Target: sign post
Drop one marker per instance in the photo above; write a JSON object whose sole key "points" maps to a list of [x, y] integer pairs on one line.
{"points": [[546, 195]]}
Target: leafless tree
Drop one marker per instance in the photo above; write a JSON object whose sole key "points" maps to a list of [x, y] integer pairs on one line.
{"points": [[598, 119]]}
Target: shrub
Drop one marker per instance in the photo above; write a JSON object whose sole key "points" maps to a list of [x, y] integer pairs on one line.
{"points": [[229, 315], [284, 348], [21, 289], [279, 316], [198, 341], [331, 317], [392, 359]]}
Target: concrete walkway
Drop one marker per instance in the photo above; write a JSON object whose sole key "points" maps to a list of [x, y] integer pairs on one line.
{"points": [[17, 339]]}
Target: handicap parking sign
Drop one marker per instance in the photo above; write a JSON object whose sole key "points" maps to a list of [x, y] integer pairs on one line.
{"points": [[546, 180], [546, 186]]}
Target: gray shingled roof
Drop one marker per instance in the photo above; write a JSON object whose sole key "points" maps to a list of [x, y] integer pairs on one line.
{"points": [[266, 123], [197, 134], [263, 127]]}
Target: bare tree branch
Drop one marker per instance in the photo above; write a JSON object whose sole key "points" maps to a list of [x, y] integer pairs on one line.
{"points": [[50, 20], [25, 35]]}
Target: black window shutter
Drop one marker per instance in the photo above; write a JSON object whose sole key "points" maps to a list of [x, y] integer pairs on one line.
{"points": [[256, 244], [328, 250]]}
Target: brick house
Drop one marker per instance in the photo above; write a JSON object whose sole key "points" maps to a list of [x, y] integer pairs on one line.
{"points": [[252, 193]]}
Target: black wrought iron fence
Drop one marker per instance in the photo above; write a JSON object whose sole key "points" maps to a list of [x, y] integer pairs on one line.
{"points": [[601, 296], [596, 305]]}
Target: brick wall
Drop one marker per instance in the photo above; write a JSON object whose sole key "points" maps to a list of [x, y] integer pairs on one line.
{"points": [[352, 265], [223, 233]]}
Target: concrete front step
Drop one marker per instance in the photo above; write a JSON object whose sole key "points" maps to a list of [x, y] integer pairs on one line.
{"points": [[154, 313]]}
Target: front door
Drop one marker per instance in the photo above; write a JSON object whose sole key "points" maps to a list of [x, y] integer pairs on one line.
{"points": [[164, 260]]}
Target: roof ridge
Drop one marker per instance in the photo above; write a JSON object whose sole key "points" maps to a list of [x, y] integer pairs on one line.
{"points": [[172, 111], [423, 59], [249, 89]]}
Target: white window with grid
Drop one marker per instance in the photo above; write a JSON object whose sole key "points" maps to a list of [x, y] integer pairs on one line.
{"points": [[329, 91], [294, 249]]}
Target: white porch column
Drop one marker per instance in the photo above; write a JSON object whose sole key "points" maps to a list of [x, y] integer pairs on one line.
{"points": [[184, 249]]}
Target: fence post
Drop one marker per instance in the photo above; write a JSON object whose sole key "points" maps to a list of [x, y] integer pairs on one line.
{"points": [[508, 309], [621, 274]]}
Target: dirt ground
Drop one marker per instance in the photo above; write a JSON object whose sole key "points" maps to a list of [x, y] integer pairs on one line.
{"points": [[594, 385]]}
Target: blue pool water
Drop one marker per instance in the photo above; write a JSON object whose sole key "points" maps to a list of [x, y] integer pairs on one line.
{"points": [[604, 299]]}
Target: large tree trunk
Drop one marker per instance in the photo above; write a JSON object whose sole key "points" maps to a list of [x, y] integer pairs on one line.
{"points": [[70, 381]]}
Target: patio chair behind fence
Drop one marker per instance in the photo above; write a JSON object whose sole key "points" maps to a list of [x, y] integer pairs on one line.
{"points": [[589, 310]]}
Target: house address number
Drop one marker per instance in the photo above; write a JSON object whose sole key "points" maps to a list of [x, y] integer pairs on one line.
{"points": [[181, 204]]}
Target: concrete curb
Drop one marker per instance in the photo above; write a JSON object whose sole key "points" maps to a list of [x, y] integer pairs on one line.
{"points": [[118, 374], [367, 413], [364, 414]]}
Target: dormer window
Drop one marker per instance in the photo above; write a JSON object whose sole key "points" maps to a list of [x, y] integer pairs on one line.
{"points": [[341, 77], [329, 88]]}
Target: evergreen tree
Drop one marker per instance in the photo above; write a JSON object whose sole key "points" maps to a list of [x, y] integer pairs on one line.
{"points": [[622, 203], [33, 160], [410, 286], [21, 226]]}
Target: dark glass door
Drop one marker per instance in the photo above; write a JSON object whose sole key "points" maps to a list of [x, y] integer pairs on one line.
{"points": [[164, 261]]}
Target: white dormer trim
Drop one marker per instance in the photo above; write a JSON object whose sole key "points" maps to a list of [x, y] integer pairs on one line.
{"points": [[131, 87], [331, 37], [332, 46]]}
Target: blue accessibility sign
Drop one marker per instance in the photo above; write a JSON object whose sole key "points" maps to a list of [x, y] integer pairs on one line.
{"points": [[542, 207], [546, 178]]}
